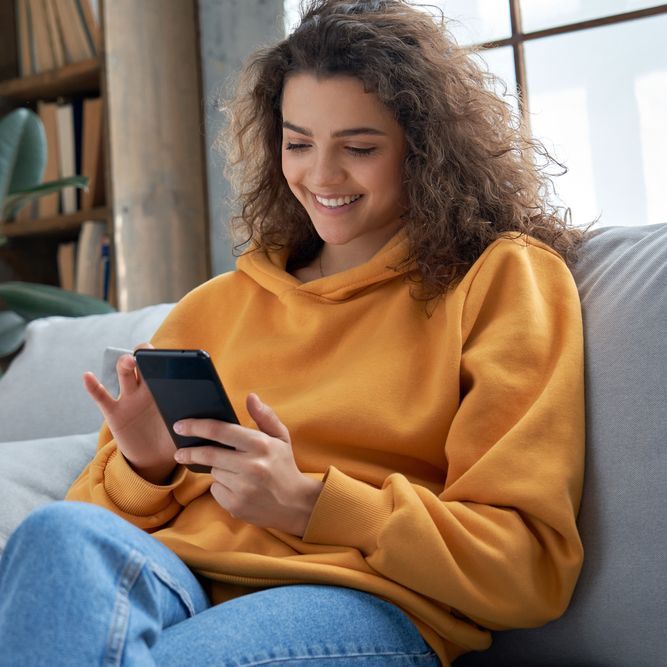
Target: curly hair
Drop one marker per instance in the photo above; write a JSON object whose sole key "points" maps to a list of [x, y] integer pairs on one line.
{"points": [[470, 170]]}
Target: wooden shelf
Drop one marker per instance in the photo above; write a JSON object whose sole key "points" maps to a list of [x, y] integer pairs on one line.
{"points": [[156, 212], [56, 225], [75, 78]]}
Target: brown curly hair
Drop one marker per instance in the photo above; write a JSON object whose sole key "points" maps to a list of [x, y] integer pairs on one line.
{"points": [[470, 170]]}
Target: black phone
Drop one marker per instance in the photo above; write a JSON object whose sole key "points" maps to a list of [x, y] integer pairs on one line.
{"points": [[184, 383]]}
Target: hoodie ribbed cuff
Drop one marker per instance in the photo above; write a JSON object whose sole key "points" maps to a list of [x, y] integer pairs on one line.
{"points": [[134, 495], [348, 513]]}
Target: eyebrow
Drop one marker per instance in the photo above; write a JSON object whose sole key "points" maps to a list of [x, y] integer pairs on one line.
{"points": [[340, 133]]}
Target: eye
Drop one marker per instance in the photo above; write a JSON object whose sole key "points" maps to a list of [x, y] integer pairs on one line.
{"points": [[296, 147], [361, 152]]}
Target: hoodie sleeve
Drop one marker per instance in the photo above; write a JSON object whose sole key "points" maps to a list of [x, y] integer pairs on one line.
{"points": [[499, 543]]}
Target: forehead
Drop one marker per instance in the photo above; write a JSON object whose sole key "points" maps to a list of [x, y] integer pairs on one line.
{"points": [[335, 102]]}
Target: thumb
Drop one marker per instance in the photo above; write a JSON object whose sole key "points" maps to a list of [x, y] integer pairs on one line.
{"points": [[266, 419]]}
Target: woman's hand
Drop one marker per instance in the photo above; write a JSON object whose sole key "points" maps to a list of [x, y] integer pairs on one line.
{"points": [[258, 480], [134, 421]]}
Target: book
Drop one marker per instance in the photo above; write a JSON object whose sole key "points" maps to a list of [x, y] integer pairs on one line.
{"points": [[66, 153], [89, 12], [75, 41], [55, 33], [77, 121], [105, 267], [89, 258], [23, 30], [9, 44], [43, 50], [67, 265], [91, 161], [49, 205]]}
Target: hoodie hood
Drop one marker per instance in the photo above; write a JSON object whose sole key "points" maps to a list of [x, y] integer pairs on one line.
{"points": [[267, 269]]}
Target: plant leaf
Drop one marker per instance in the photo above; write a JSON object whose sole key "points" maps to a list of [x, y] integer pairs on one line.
{"points": [[12, 332], [16, 200], [22, 152], [32, 300]]}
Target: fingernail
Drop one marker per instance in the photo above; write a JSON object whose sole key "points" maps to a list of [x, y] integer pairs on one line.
{"points": [[178, 427], [179, 456]]}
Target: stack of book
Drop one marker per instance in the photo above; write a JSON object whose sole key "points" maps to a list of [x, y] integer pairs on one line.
{"points": [[83, 265], [54, 33], [74, 144]]}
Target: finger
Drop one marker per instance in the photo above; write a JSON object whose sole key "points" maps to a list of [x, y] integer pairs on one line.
{"points": [[98, 392], [266, 419], [127, 375], [224, 497], [225, 433], [208, 455]]}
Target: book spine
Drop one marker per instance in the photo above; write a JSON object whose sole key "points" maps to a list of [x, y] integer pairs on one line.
{"points": [[44, 59], [10, 52], [90, 28], [67, 154], [48, 205], [89, 260], [23, 30], [56, 34]]}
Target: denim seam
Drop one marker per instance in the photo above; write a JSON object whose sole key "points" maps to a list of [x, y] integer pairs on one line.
{"points": [[342, 656], [168, 581], [121, 611]]}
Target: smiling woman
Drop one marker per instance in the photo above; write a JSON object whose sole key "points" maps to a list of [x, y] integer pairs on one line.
{"points": [[470, 172], [402, 345]]}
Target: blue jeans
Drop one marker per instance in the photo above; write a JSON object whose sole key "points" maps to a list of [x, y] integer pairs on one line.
{"points": [[81, 586]]}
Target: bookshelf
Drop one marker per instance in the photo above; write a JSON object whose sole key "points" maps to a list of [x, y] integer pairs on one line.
{"points": [[147, 74], [67, 80]]}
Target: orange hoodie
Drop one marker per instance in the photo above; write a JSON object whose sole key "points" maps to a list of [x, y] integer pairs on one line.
{"points": [[451, 446]]}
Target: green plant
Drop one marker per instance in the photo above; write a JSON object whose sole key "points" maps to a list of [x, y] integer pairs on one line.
{"points": [[22, 161]]}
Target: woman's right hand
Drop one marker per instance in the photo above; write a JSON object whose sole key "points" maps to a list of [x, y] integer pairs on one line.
{"points": [[134, 421]]}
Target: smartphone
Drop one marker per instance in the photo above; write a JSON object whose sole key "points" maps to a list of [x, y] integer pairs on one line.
{"points": [[184, 383]]}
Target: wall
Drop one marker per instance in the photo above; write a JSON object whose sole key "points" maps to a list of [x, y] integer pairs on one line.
{"points": [[229, 31]]}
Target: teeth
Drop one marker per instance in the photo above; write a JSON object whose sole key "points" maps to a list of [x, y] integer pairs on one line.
{"points": [[340, 201]]}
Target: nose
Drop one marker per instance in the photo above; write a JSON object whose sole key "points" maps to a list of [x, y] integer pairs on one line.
{"points": [[326, 171]]}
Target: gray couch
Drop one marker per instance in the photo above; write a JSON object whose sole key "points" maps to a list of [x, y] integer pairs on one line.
{"points": [[618, 616]]}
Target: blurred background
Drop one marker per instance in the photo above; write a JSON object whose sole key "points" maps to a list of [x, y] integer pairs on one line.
{"points": [[130, 95]]}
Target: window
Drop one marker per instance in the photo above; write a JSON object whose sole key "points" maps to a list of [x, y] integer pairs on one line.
{"points": [[593, 82]]}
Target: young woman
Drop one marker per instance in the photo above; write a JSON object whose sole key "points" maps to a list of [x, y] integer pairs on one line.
{"points": [[402, 341]]}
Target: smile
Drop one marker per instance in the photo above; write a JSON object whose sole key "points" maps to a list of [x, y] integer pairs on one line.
{"points": [[338, 201]]}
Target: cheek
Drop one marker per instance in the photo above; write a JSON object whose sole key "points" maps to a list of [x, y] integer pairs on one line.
{"points": [[286, 167], [291, 171], [386, 179], [291, 174]]}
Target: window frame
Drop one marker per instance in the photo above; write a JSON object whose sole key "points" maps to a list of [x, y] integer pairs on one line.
{"points": [[518, 38]]}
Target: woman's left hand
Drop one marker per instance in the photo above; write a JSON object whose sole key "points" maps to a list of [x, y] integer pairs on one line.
{"points": [[257, 481]]}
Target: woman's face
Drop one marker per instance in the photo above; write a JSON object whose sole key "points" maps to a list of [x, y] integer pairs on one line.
{"points": [[342, 156]]}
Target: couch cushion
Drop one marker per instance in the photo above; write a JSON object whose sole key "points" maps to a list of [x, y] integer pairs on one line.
{"points": [[618, 615], [36, 472], [41, 394]]}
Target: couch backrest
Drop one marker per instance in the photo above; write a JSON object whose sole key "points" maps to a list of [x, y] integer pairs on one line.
{"points": [[42, 395], [618, 615]]}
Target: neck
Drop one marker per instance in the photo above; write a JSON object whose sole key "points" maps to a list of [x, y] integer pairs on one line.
{"points": [[337, 258]]}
